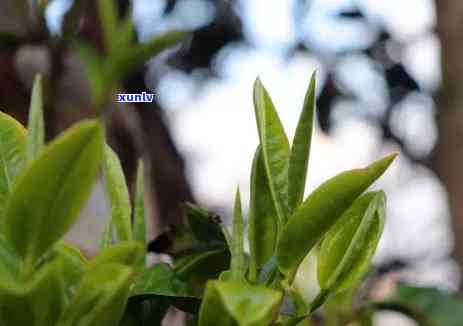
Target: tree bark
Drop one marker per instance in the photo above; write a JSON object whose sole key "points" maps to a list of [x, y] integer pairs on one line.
{"points": [[449, 150]]}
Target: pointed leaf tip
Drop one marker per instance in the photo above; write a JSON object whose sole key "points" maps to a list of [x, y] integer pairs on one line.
{"points": [[384, 163]]}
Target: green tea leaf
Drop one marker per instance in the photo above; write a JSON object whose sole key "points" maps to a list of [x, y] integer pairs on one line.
{"points": [[145, 312], [225, 303], [237, 265], [320, 211], [118, 195], [300, 150], [10, 263], [124, 253], [107, 237], [126, 61], [101, 297], [348, 247], [202, 266], [12, 155], [39, 302], [275, 149], [126, 32], [95, 71], [36, 125], [139, 227], [109, 16], [204, 225], [439, 307], [74, 265], [49, 194], [160, 282], [175, 241], [263, 223]]}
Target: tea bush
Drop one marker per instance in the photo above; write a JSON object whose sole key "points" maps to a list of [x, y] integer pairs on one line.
{"points": [[43, 187], [45, 281]]}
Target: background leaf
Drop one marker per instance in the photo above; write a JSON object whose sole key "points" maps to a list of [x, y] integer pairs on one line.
{"points": [[440, 307], [131, 58], [95, 70], [109, 16], [48, 196]]}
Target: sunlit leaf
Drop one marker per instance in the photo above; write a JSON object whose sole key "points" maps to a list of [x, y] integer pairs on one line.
{"points": [[118, 195], [227, 302], [101, 297], [124, 253], [347, 248], [275, 149], [237, 264], [263, 222], [12, 154], [300, 149], [49, 194], [321, 210]]}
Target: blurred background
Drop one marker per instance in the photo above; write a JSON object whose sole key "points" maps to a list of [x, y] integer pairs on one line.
{"points": [[389, 78]]}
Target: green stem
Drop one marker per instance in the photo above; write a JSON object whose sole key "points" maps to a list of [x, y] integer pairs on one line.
{"points": [[319, 300]]}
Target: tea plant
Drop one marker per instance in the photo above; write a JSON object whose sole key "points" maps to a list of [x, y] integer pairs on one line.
{"points": [[43, 280], [337, 221], [43, 187]]}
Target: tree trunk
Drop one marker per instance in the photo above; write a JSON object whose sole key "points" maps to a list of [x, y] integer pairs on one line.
{"points": [[449, 150]]}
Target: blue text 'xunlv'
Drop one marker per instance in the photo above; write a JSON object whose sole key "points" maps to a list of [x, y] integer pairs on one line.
{"points": [[138, 98]]}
